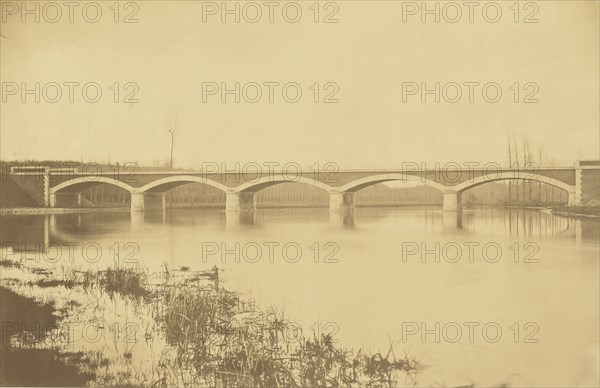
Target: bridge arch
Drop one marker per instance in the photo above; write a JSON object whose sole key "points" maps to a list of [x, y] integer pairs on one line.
{"points": [[480, 180], [90, 180], [365, 182], [267, 181], [182, 179]]}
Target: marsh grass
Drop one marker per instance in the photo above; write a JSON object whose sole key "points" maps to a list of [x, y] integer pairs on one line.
{"points": [[126, 282], [45, 283], [221, 341], [214, 338], [8, 263]]}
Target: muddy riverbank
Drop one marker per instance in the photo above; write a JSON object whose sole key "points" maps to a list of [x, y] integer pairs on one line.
{"points": [[31, 321]]}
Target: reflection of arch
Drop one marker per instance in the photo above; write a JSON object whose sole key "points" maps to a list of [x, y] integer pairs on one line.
{"points": [[181, 179], [480, 180], [362, 183], [268, 181], [90, 181]]}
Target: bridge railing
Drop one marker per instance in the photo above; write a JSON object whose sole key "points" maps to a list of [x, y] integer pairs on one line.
{"points": [[19, 170]]}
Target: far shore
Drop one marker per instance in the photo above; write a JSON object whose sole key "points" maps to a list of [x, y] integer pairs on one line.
{"points": [[577, 211], [57, 210]]}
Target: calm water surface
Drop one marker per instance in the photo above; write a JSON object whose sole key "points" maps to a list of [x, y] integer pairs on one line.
{"points": [[495, 296]]}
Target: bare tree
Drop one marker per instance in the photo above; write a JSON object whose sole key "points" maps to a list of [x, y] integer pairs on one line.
{"points": [[526, 164], [517, 163], [540, 150], [173, 131], [509, 166]]}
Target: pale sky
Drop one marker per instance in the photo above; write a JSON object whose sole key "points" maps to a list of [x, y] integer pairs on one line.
{"points": [[369, 54]]}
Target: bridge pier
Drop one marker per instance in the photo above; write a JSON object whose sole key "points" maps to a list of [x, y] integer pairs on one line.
{"points": [[77, 199], [47, 187], [574, 197], [137, 202], [240, 209], [240, 202], [341, 202], [67, 199], [52, 200], [341, 209], [452, 201]]}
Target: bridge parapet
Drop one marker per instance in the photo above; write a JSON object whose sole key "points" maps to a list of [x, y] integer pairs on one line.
{"points": [[342, 179]]}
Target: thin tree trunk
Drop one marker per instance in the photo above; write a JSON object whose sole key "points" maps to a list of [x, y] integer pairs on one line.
{"points": [[509, 165], [517, 162]]}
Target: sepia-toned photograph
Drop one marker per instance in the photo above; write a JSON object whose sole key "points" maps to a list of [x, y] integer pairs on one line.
{"points": [[300, 194]]}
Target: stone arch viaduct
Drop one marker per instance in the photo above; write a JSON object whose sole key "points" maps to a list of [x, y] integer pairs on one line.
{"points": [[148, 188]]}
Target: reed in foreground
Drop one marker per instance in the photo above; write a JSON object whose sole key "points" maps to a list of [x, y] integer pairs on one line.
{"points": [[218, 340]]}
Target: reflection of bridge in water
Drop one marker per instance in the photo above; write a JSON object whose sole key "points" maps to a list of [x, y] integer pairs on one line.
{"points": [[61, 230], [524, 223], [148, 189]]}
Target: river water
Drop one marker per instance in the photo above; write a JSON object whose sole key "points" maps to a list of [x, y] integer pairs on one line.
{"points": [[493, 296]]}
